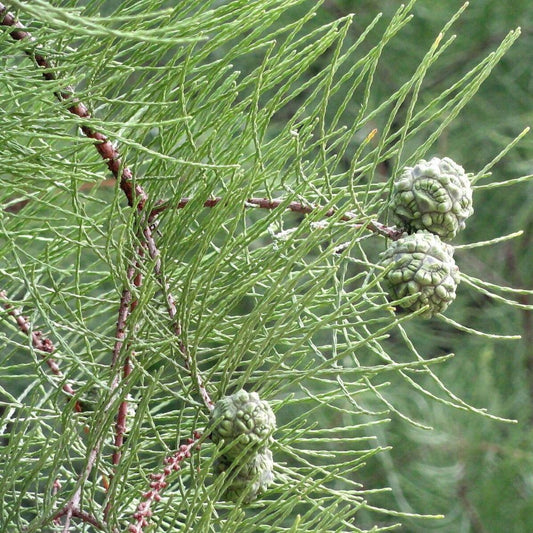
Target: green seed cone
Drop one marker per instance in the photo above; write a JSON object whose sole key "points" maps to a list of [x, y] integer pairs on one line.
{"points": [[243, 421], [422, 266], [433, 195], [249, 479]]}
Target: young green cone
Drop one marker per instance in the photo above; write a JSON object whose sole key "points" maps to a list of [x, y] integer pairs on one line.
{"points": [[422, 266], [433, 195], [243, 421]]}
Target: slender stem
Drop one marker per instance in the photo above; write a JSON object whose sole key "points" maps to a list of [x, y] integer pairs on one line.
{"points": [[390, 232], [159, 482], [136, 197], [40, 343], [120, 424], [135, 194], [172, 312], [127, 305], [72, 507], [85, 517]]}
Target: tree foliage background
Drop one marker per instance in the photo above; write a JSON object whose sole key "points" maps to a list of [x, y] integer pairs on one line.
{"points": [[282, 99]]}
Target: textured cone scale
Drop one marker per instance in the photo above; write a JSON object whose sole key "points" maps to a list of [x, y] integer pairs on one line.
{"points": [[243, 421], [433, 195], [249, 479], [422, 266]]}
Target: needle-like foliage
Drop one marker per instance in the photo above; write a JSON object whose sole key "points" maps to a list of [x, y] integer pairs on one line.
{"points": [[248, 249]]}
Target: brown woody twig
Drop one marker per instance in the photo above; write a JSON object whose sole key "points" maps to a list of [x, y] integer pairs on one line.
{"points": [[136, 197], [134, 193], [40, 343], [82, 515], [172, 312], [127, 305], [390, 232], [159, 482]]}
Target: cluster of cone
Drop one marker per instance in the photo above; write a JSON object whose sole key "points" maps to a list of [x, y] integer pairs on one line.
{"points": [[430, 202], [242, 425]]}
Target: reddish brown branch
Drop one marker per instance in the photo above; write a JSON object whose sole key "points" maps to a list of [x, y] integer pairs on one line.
{"points": [[390, 232], [159, 482], [172, 312], [82, 515], [136, 197], [123, 312], [134, 193], [127, 305], [40, 343], [72, 507]]}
